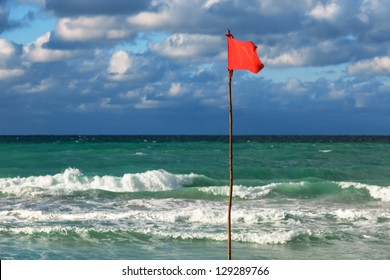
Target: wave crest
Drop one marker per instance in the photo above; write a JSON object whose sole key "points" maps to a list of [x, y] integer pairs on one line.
{"points": [[376, 192], [305, 189], [72, 179]]}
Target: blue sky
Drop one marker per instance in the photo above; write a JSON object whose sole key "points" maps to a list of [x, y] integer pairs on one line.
{"points": [[159, 67]]}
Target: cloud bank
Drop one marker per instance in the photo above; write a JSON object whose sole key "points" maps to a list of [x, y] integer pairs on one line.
{"points": [[162, 65]]}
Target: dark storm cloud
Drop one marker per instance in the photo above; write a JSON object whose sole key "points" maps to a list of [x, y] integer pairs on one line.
{"points": [[95, 7], [5, 22]]}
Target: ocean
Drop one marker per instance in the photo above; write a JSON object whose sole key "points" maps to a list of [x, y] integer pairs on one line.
{"points": [[165, 197]]}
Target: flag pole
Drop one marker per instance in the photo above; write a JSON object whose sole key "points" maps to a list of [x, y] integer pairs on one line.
{"points": [[242, 55], [230, 75], [230, 166]]}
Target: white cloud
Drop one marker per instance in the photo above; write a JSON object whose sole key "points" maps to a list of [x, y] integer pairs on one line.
{"points": [[10, 73], [9, 66], [146, 103], [336, 94], [92, 28], [9, 62], [273, 8], [171, 13], [209, 3], [371, 67], [131, 94], [183, 55], [176, 16], [294, 57], [105, 103], [325, 12], [362, 99], [119, 63], [175, 89], [31, 88], [7, 49], [151, 19], [294, 86], [139, 96], [370, 9], [82, 108], [130, 67], [188, 46], [36, 52]]}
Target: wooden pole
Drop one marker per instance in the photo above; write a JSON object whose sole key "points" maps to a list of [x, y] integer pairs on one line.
{"points": [[230, 164]]}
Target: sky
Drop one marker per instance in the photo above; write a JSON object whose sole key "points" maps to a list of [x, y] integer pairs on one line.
{"points": [[159, 67]]}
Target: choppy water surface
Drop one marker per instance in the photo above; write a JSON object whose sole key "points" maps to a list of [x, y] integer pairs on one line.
{"points": [[155, 197]]}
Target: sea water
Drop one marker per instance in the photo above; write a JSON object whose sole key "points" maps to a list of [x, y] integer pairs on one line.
{"points": [[165, 197]]}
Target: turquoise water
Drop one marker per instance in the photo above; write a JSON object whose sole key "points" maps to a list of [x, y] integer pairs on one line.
{"points": [[165, 197]]}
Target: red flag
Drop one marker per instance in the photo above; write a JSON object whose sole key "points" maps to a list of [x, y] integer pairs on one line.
{"points": [[242, 55]]}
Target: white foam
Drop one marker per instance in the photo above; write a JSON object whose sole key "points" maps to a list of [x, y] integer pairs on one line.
{"points": [[276, 237], [188, 219], [361, 215], [141, 212], [31, 215], [260, 237], [351, 214], [73, 179], [240, 191], [32, 230], [377, 192]]}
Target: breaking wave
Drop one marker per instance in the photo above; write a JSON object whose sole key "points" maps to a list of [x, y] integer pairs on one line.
{"points": [[349, 191], [73, 179], [277, 237]]}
